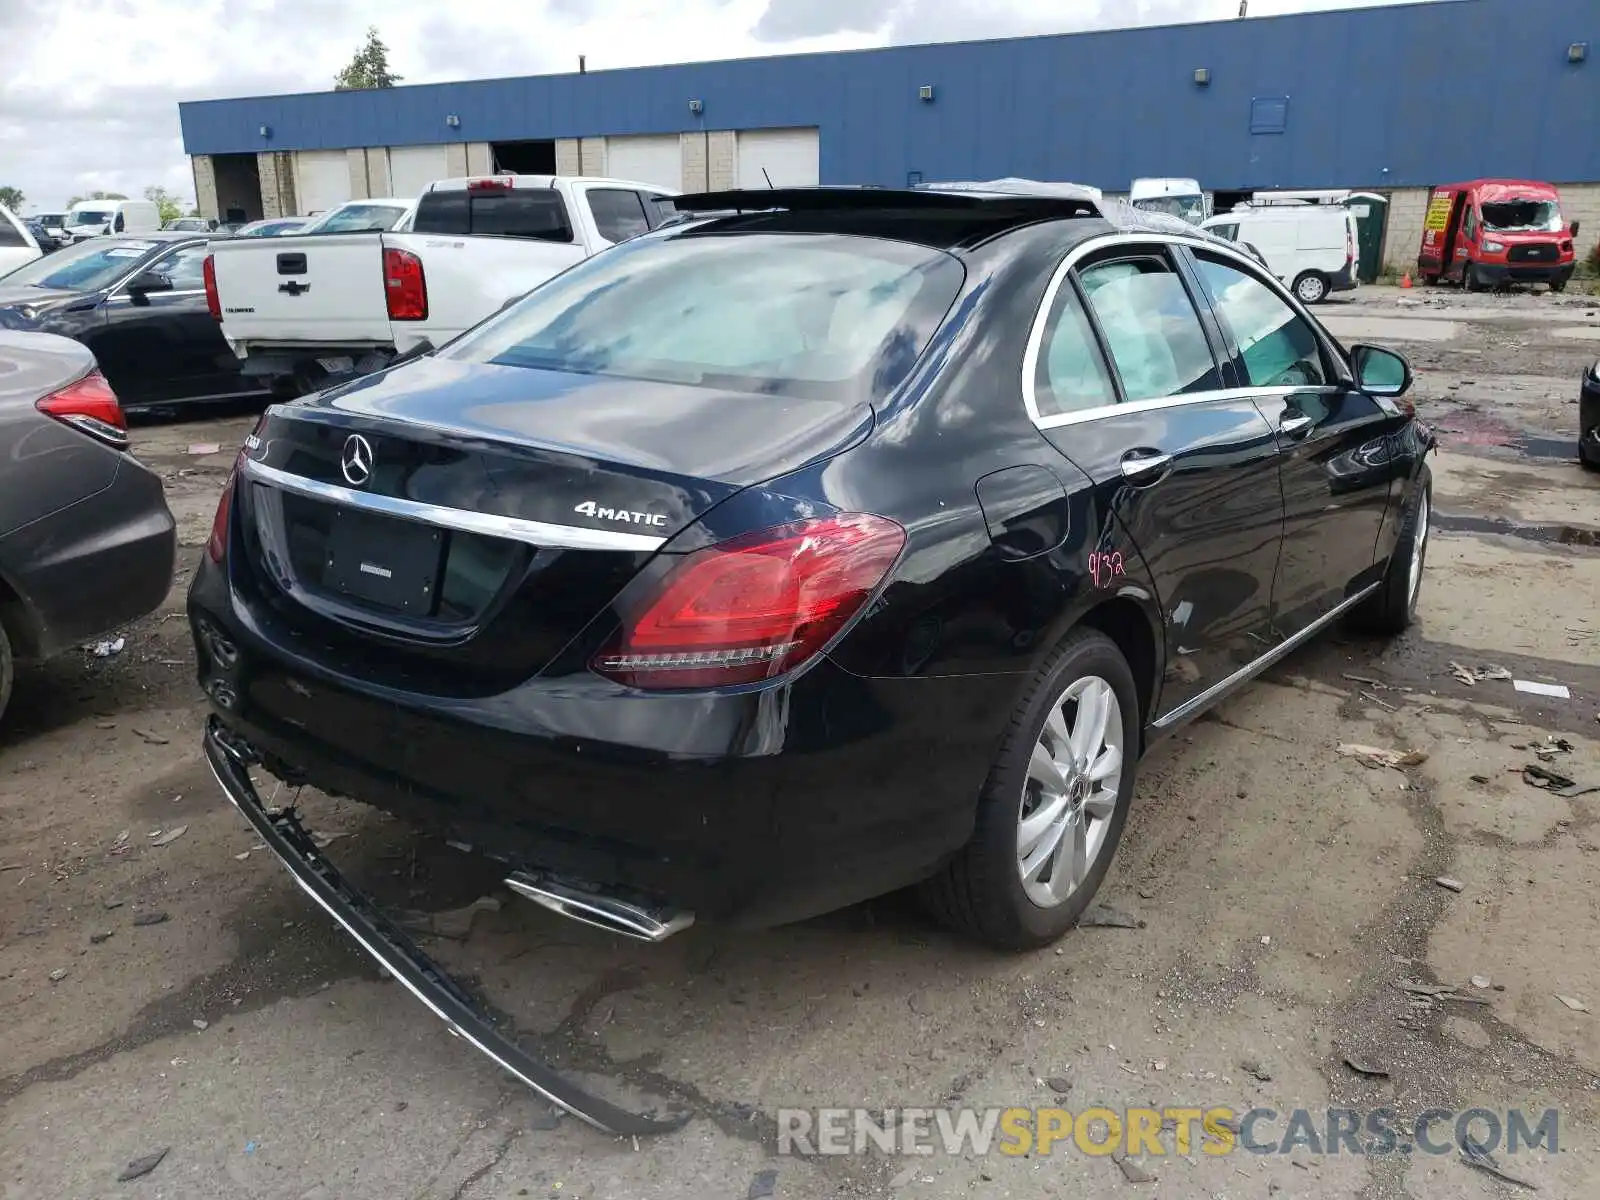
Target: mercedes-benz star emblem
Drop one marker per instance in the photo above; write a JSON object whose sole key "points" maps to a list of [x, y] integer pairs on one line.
{"points": [[356, 460]]}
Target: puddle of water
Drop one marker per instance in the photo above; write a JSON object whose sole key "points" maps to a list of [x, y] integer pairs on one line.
{"points": [[1462, 428], [1561, 535]]}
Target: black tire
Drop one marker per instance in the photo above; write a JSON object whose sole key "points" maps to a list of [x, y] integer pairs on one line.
{"points": [[1589, 460], [1311, 287], [1469, 278], [1558, 285], [1392, 608], [980, 893], [7, 671]]}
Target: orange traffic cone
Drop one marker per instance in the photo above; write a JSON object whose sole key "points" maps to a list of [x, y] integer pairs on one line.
{"points": [[1405, 280]]}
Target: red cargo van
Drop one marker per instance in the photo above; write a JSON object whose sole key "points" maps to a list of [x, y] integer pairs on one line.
{"points": [[1494, 232]]}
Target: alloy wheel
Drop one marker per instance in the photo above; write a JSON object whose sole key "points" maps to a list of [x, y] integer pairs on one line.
{"points": [[1419, 548], [1073, 783]]}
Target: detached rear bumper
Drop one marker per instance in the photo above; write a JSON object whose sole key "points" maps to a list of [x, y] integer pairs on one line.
{"points": [[281, 830]]}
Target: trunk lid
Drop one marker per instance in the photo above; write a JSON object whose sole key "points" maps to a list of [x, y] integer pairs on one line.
{"points": [[449, 527], [320, 288]]}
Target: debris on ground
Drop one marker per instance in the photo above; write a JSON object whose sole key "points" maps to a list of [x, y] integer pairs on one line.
{"points": [[155, 739], [326, 839], [242, 855], [1480, 982], [1454, 885], [171, 835], [1471, 676], [1553, 746], [1103, 916], [1556, 783], [1256, 1070], [1477, 1157], [455, 924], [1132, 1171], [1367, 1069], [150, 918], [201, 1024], [1574, 1004], [1375, 756], [58, 975], [903, 1177], [201, 449], [143, 1166], [109, 648], [1059, 1084], [103, 936], [763, 1185], [113, 903], [1556, 691]]}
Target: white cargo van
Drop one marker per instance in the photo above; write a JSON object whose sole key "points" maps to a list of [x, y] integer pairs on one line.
{"points": [[1181, 198], [1311, 247], [91, 218]]}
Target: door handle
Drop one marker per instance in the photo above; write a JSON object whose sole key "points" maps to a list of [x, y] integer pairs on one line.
{"points": [[1294, 426], [1145, 466]]}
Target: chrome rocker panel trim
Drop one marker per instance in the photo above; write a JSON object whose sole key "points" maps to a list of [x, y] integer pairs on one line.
{"points": [[402, 957]]}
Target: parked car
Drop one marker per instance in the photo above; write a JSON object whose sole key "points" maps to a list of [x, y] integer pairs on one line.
{"points": [[1313, 248], [96, 218], [1589, 418], [1496, 232], [86, 540], [306, 313], [17, 242], [41, 236], [139, 304], [190, 225], [765, 564], [272, 227], [55, 226]]}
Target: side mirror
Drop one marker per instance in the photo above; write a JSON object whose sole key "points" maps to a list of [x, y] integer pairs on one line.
{"points": [[1380, 372], [1575, 229], [142, 284]]}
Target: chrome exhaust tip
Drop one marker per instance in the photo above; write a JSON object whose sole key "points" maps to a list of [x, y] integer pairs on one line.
{"points": [[603, 912]]}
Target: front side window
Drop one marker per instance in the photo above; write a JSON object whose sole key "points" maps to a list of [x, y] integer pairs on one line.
{"points": [[1276, 345], [1071, 375], [1151, 328], [1228, 232], [185, 268], [89, 216], [618, 214], [1469, 223], [780, 314]]}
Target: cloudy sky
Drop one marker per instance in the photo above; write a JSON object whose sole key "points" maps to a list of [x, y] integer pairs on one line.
{"points": [[89, 89]]}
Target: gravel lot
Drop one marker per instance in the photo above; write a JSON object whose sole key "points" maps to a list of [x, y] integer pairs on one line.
{"points": [[1283, 892]]}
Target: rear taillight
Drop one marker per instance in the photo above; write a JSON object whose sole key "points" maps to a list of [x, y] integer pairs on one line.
{"points": [[217, 543], [213, 301], [91, 407], [751, 608], [404, 285]]}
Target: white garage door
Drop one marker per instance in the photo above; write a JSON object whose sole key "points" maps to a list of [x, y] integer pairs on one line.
{"points": [[321, 179], [790, 157], [413, 168], [648, 159]]}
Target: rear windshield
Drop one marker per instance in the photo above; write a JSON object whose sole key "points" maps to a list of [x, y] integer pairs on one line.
{"points": [[358, 218], [782, 314], [87, 267], [537, 213]]}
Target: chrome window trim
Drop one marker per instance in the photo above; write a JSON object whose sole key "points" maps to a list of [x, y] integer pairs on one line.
{"points": [[115, 292], [1132, 240], [517, 529]]}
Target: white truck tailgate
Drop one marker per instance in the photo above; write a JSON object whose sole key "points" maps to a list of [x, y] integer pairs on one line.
{"points": [[470, 278], [324, 288]]}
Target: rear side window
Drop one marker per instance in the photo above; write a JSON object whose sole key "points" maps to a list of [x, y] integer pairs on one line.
{"points": [[537, 213], [1228, 232], [10, 232], [1071, 375], [1276, 345], [779, 314], [618, 214], [1151, 328]]}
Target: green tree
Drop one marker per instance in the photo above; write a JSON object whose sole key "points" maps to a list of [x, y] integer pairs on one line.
{"points": [[12, 198], [97, 196], [165, 201], [369, 68]]}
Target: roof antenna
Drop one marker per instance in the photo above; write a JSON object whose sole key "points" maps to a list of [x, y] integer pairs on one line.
{"points": [[1244, 9], [768, 178]]}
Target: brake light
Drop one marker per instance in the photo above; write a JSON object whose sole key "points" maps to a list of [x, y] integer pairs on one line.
{"points": [[405, 286], [501, 184], [217, 543], [754, 607], [89, 406], [213, 301]]}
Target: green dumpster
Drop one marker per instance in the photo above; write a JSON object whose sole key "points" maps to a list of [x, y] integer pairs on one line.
{"points": [[1372, 219]]}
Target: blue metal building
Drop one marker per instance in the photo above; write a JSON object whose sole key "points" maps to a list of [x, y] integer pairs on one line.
{"points": [[1394, 97]]}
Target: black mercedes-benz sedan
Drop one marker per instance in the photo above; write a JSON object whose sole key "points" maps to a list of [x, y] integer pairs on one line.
{"points": [[843, 540]]}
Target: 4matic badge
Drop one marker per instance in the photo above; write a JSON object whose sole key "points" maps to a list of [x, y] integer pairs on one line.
{"points": [[590, 509]]}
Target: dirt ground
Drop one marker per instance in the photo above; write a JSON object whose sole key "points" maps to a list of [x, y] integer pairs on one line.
{"points": [[1283, 894]]}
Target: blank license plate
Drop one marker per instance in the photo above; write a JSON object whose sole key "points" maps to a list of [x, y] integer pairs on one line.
{"points": [[390, 563]]}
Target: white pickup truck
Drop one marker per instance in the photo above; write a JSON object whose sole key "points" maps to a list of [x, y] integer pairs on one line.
{"points": [[304, 312]]}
